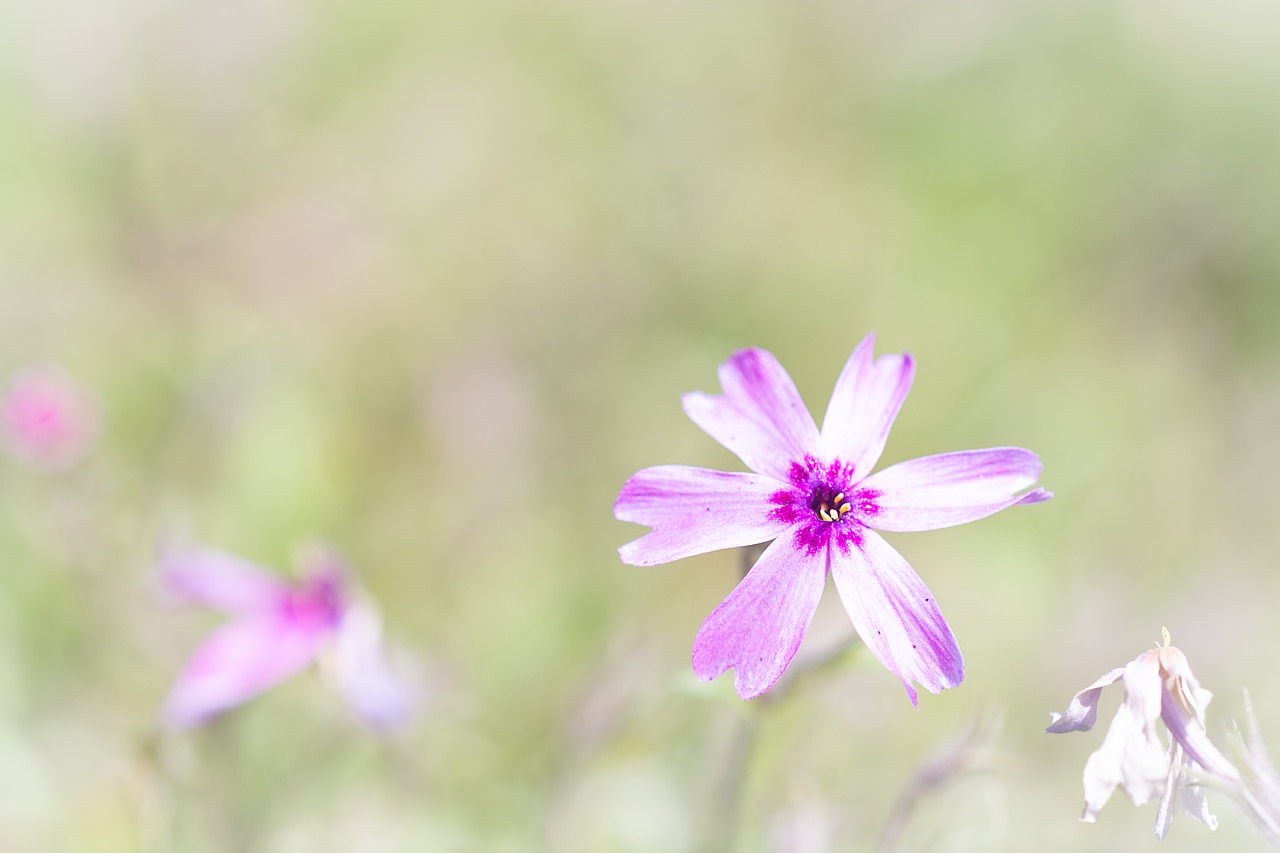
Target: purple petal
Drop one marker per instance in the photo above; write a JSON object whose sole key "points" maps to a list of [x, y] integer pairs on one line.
{"points": [[1082, 713], [383, 696], [693, 511], [863, 405], [896, 616], [758, 628], [239, 661], [760, 416], [220, 581], [951, 488], [1182, 705]]}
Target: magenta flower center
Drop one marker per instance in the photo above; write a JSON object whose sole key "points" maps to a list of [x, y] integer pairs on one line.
{"points": [[824, 503], [833, 509], [315, 604]]}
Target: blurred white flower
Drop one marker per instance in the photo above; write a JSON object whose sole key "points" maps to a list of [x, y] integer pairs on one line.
{"points": [[378, 682]]}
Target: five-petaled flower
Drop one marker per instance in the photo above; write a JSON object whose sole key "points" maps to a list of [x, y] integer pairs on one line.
{"points": [[813, 494], [1158, 685], [278, 629]]}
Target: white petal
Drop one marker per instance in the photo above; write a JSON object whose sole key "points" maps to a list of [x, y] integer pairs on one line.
{"points": [[1082, 713]]}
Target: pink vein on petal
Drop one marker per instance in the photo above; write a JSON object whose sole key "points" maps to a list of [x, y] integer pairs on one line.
{"points": [[953, 488], [693, 511], [864, 404], [760, 416], [896, 616]]}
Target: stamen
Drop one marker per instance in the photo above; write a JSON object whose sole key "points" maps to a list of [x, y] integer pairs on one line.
{"points": [[845, 507], [822, 513], [837, 499]]}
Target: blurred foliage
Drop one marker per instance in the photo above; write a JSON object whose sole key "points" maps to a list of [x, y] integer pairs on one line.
{"points": [[426, 280]]}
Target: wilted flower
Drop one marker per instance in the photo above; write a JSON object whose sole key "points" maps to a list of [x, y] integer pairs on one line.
{"points": [[47, 418], [811, 494], [278, 629], [1158, 685]]}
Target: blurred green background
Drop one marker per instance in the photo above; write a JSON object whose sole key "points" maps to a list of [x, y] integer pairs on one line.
{"points": [[426, 280]]}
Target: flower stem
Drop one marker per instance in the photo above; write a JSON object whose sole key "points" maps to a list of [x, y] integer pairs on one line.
{"points": [[725, 815]]}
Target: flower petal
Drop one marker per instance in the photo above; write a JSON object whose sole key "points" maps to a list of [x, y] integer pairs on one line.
{"points": [[1131, 753], [758, 628], [863, 405], [1145, 762], [760, 416], [693, 511], [1082, 713], [238, 661], [1164, 814], [1190, 734], [220, 581], [1191, 797], [1182, 707], [383, 696], [896, 616], [1195, 804], [951, 488]]}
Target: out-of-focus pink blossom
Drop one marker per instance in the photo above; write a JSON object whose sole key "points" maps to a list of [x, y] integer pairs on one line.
{"points": [[277, 629], [47, 418]]}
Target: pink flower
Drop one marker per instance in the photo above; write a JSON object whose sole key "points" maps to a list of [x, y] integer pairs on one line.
{"points": [[277, 630], [47, 418], [813, 494], [1158, 685]]}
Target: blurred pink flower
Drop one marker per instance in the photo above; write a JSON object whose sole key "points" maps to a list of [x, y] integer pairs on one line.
{"points": [[1158, 685], [47, 418], [811, 494], [278, 629]]}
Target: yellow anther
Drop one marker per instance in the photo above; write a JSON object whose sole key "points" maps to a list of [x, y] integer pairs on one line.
{"points": [[822, 513], [845, 508], [836, 500]]}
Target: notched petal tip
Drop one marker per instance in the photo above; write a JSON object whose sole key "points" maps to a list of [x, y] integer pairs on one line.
{"points": [[758, 628], [746, 685], [750, 678], [746, 691], [632, 554], [623, 504], [759, 416], [864, 404], [696, 399], [695, 511]]}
